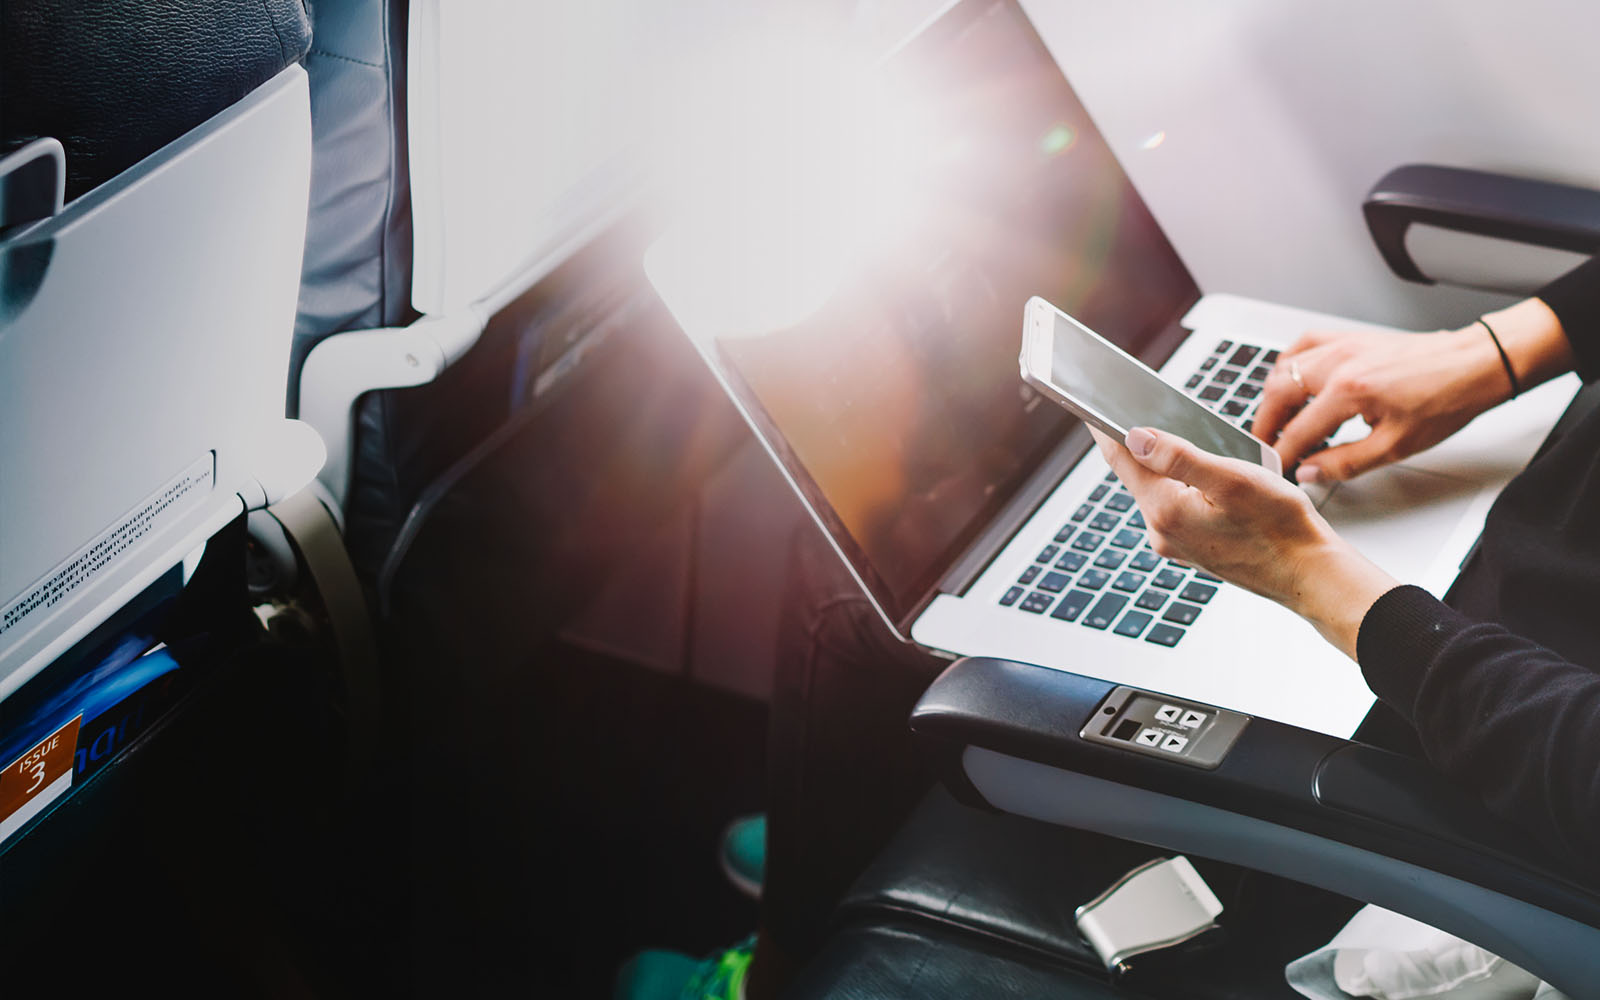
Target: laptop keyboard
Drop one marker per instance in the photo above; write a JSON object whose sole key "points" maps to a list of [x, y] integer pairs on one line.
{"points": [[1099, 570]]}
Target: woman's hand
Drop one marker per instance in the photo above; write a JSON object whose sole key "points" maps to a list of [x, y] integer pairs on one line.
{"points": [[1413, 389], [1249, 527]]}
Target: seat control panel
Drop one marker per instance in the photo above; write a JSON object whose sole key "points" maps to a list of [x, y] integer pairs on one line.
{"points": [[1159, 725]]}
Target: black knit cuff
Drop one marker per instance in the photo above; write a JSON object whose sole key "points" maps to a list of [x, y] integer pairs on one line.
{"points": [[1400, 637], [1575, 299]]}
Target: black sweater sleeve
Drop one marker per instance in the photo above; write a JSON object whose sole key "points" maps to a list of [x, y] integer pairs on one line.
{"points": [[1503, 715], [1575, 299]]}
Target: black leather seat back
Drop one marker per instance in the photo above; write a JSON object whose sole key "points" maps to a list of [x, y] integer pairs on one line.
{"points": [[115, 80]]}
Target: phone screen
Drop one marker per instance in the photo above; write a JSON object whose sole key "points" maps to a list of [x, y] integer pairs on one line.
{"points": [[1095, 374]]}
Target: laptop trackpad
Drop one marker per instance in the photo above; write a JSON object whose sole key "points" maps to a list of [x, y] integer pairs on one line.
{"points": [[1399, 517]]}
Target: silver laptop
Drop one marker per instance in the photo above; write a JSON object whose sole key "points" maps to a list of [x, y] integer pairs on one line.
{"points": [[974, 512]]}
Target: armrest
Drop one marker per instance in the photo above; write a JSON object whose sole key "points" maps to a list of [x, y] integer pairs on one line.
{"points": [[1537, 213], [1354, 819]]}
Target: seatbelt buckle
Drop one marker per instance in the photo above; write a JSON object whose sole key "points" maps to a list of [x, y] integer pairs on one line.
{"points": [[1162, 904]]}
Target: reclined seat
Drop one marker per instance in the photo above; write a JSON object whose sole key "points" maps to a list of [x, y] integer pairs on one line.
{"points": [[146, 319], [977, 898], [154, 217], [451, 291], [493, 378]]}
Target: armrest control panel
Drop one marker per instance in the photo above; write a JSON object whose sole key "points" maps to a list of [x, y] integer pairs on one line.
{"points": [[1164, 727]]}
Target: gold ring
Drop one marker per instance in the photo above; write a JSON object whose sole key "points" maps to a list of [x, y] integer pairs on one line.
{"points": [[1294, 373]]}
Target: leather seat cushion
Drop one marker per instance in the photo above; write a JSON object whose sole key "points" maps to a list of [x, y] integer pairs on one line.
{"points": [[996, 888], [996, 874], [903, 960]]}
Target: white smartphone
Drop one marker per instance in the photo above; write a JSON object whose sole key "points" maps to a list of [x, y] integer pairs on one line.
{"points": [[1114, 391]]}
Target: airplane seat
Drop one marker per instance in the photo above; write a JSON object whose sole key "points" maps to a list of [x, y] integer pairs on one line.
{"points": [[435, 345], [507, 407], [976, 895], [457, 311], [1047, 802], [149, 266]]}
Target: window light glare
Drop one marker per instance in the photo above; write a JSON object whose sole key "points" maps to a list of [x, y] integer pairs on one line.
{"points": [[794, 168]]}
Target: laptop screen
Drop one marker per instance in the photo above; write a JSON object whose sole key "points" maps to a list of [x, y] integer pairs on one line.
{"points": [[898, 408]]}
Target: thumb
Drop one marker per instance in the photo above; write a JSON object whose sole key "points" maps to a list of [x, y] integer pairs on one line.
{"points": [[1173, 457]]}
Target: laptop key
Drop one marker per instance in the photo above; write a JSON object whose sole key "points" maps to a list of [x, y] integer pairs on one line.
{"points": [[1065, 532], [1208, 364], [1087, 541], [1244, 355], [1055, 582], [1104, 521], [1194, 381], [1036, 602], [1120, 502], [1271, 357], [1132, 624], [1109, 559], [1212, 393], [1151, 600], [1247, 390], [1259, 373], [1082, 512], [1099, 493], [1234, 407], [1127, 538], [1199, 593], [1223, 348], [1072, 605], [1183, 614], [1010, 597], [1136, 520], [1047, 553], [1071, 561], [1111, 477], [1144, 561], [1129, 582], [1225, 376], [1201, 574], [1167, 579], [1105, 611], [1093, 579], [1029, 573], [1165, 635]]}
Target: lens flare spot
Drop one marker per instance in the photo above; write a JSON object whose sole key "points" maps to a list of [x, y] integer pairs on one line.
{"points": [[1058, 140]]}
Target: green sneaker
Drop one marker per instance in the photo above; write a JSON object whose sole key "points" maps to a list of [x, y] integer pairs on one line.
{"points": [[744, 853], [671, 975]]}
